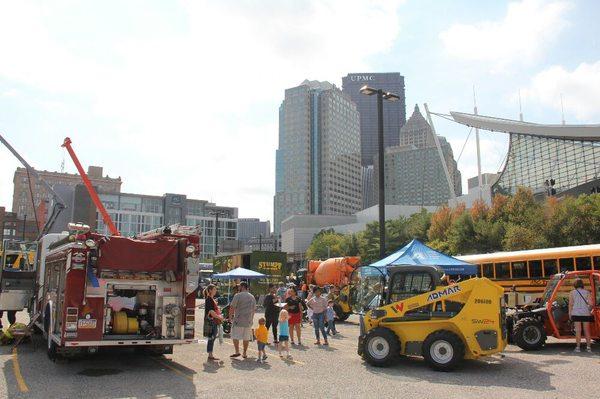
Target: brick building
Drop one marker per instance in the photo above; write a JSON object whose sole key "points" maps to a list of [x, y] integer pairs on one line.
{"points": [[11, 227], [22, 204]]}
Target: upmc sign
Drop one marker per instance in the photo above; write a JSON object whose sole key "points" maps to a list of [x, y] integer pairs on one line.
{"points": [[361, 78]]}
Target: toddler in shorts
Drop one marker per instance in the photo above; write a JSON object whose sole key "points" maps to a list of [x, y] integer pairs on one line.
{"points": [[262, 337]]}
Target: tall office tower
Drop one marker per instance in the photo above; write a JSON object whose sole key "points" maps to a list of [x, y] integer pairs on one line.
{"points": [[414, 173], [368, 187], [318, 168], [394, 113]]}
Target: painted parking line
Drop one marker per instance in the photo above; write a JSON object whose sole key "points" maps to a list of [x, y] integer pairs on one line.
{"points": [[172, 368], [17, 369]]}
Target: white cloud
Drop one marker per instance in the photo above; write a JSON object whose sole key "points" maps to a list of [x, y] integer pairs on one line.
{"points": [[580, 89], [194, 108], [526, 30]]}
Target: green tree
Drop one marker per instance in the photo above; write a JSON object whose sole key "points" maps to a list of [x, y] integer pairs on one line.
{"points": [[327, 244], [518, 238], [396, 236], [460, 235], [353, 244], [418, 225]]}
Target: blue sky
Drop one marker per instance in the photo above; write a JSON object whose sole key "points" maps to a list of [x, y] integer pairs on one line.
{"points": [[183, 96]]}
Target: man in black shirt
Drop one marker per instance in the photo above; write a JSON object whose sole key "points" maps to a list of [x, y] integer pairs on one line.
{"points": [[272, 310]]}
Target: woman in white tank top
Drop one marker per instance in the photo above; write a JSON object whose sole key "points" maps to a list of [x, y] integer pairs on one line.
{"points": [[580, 300]]}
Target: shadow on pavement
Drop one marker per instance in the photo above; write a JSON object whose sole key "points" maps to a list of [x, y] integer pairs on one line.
{"points": [[564, 349], [213, 367], [110, 373], [250, 364], [506, 372]]}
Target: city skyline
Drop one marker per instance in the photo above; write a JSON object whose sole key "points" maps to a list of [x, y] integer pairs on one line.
{"points": [[139, 97], [318, 169]]}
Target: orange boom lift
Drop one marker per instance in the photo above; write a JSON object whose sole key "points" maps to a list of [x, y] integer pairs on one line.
{"points": [[88, 184]]}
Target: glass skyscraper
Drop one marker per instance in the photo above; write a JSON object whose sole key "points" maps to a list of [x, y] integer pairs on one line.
{"points": [[394, 113], [318, 168]]}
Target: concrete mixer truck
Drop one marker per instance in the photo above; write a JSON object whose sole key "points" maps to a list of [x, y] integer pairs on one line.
{"points": [[333, 272]]}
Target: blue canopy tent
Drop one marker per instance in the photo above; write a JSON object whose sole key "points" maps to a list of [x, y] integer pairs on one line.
{"points": [[239, 273], [415, 253]]}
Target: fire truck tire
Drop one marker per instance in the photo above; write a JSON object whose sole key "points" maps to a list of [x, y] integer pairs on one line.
{"points": [[381, 347], [47, 313], [52, 348], [529, 334], [443, 350]]}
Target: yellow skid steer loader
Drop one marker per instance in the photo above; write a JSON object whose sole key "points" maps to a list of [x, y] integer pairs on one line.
{"points": [[407, 311]]}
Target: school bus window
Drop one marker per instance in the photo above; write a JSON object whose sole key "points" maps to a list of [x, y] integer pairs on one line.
{"points": [[566, 265], [583, 263], [519, 270], [503, 270], [596, 262], [488, 270], [535, 268], [550, 267]]}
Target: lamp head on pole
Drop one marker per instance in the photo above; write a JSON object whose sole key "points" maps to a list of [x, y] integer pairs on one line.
{"points": [[390, 96], [369, 91]]}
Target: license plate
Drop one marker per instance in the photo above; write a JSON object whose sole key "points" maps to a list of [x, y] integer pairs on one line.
{"points": [[87, 323]]}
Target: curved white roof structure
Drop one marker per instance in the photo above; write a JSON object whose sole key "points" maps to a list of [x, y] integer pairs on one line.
{"points": [[565, 132]]}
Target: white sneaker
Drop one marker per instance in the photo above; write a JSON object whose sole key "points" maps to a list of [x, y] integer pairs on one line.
{"points": [[588, 350], [577, 350]]}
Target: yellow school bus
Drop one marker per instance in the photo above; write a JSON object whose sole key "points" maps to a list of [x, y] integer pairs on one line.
{"points": [[525, 273]]}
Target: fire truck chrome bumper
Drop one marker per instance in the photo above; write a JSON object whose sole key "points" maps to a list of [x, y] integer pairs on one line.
{"points": [[132, 342]]}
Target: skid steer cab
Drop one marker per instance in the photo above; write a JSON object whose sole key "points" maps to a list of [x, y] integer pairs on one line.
{"points": [[405, 310]]}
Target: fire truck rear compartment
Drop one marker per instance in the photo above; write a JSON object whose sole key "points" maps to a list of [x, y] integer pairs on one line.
{"points": [[131, 313]]}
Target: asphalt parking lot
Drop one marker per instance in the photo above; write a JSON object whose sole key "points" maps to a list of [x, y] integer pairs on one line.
{"points": [[332, 372]]}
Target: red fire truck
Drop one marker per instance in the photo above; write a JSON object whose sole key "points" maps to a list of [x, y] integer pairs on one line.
{"points": [[98, 291]]}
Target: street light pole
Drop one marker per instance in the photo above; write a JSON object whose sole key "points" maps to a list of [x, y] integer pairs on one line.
{"points": [[217, 214], [381, 152], [381, 95]]}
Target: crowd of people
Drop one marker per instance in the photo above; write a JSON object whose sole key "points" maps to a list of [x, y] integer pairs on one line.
{"points": [[286, 309]]}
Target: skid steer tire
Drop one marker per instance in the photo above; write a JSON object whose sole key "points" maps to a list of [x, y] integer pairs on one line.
{"points": [[381, 347], [529, 334], [443, 350]]}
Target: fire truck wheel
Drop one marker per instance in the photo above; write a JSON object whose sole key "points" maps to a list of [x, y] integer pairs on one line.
{"points": [[381, 347], [529, 334], [443, 350]]}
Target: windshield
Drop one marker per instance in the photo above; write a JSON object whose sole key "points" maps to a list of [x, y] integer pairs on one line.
{"points": [[550, 288], [368, 284]]}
